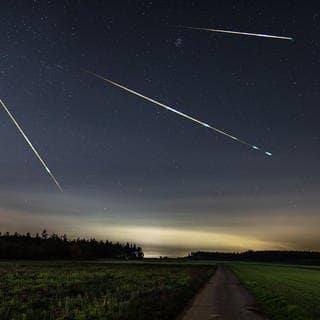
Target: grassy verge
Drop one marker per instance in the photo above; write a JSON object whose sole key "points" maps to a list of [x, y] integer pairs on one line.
{"points": [[284, 292], [88, 291]]}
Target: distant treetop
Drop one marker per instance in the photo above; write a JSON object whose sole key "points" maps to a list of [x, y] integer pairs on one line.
{"points": [[54, 246]]}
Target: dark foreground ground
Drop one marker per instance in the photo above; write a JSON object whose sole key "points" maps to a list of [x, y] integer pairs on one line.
{"points": [[285, 292], [97, 291], [157, 290], [224, 298]]}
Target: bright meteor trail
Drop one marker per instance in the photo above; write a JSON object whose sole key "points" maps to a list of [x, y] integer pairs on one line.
{"points": [[240, 33], [31, 146], [181, 114]]}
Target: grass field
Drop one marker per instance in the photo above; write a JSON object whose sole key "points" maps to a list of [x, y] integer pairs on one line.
{"points": [[284, 292], [88, 291]]}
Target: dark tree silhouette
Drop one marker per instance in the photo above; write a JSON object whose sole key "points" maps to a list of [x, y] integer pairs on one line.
{"points": [[297, 257], [25, 246]]}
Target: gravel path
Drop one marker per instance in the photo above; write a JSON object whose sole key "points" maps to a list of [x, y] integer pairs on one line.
{"points": [[223, 298]]}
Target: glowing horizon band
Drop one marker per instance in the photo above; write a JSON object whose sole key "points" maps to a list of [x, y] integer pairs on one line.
{"points": [[240, 33], [31, 146], [180, 113]]}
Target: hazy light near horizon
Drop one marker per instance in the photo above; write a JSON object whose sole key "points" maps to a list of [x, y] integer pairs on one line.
{"points": [[166, 237], [165, 233], [165, 240]]}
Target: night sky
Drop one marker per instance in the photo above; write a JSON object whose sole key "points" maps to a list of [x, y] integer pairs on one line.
{"points": [[132, 171]]}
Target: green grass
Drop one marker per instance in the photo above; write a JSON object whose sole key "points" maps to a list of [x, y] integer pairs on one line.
{"points": [[89, 291], [284, 292]]}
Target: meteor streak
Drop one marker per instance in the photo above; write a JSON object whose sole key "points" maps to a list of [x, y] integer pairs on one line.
{"points": [[240, 33], [31, 146], [180, 113]]}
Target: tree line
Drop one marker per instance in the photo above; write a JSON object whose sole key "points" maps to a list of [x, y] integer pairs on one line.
{"points": [[298, 257], [54, 246]]}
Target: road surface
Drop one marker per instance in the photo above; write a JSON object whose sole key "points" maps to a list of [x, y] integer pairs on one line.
{"points": [[223, 298]]}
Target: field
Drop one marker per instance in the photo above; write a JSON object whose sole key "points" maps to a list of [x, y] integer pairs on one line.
{"points": [[88, 291], [284, 292], [120, 291]]}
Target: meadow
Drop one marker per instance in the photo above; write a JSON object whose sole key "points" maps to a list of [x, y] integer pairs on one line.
{"points": [[89, 291], [284, 292]]}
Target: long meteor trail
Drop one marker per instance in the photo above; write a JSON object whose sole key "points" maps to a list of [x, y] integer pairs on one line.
{"points": [[240, 33], [181, 114], [31, 146]]}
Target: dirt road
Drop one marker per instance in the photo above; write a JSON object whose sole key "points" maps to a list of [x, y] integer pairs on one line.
{"points": [[223, 298]]}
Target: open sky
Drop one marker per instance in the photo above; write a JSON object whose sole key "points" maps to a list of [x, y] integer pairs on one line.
{"points": [[132, 171]]}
